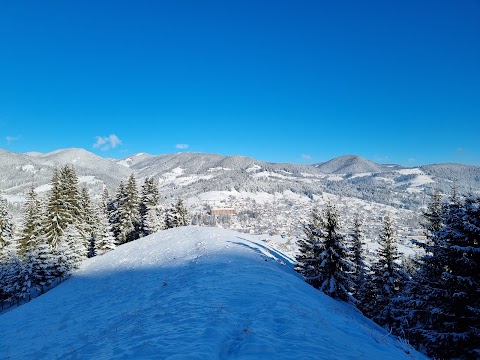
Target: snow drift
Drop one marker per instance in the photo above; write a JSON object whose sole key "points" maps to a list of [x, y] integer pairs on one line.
{"points": [[191, 293]]}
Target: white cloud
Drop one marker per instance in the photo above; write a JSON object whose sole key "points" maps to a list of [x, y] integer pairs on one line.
{"points": [[306, 157], [181, 146], [11, 139], [412, 160], [107, 142], [460, 149]]}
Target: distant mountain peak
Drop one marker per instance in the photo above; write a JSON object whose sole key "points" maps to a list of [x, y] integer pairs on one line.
{"points": [[349, 164]]}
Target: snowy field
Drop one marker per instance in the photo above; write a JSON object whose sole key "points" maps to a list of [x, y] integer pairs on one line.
{"points": [[191, 293]]}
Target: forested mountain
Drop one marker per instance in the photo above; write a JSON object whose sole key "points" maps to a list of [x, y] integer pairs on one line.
{"points": [[256, 189], [351, 164]]}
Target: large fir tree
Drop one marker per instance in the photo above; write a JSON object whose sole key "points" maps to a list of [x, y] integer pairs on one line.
{"points": [[332, 270], [151, 217], [127, 217], [358, 259], [32, 226], [449, 325], [385, 280], [63, 207]]}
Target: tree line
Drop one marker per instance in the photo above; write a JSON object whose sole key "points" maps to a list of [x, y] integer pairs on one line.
{"points": [[58, 231], [431, 301]]}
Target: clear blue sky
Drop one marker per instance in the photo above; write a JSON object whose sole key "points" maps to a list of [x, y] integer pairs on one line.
{"points": [[282, 81]]}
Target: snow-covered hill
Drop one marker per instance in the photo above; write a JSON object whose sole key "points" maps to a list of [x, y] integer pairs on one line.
{"points": [[350, 164], [191, 293], [267, 197]]}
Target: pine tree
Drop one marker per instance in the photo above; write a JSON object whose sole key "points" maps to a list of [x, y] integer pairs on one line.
{"points": [[9, 273], [92, 249], [32, 226], [150, 210], [358, 259], [385, 281], [309, 250], [55, 218], [105, 235], [70, 252], [63, 206], [452, 329], [420, 291], [70, 194], [332, 273], [170, 217], [39, 261], [127, 216], [6, 224], [88, 215]]}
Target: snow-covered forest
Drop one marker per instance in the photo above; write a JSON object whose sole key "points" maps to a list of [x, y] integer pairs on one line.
{"points": [[61, 229], [432, 301]]}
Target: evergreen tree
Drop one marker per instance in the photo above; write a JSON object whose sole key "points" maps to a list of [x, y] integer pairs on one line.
{"points": [[332, 274], [385, 280], [6, 224], [9, 273], [451, 328], [358, 259], [170, 217], [63, 206], [127, 216], [309, 250], [420, 289], [55, 218], [39, 261], [92, 249], [89, 217], [150, 210], [70, 252], [105, 236], [183, 218], [32, 226]]}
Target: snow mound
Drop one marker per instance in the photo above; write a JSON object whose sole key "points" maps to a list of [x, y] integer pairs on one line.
{"points": [[191, 293]]}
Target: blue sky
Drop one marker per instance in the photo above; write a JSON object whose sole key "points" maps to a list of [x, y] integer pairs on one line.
{"points": [[281, 81]]}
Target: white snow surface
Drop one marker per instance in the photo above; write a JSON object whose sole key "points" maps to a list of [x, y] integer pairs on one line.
{"points": [[191, 293]]}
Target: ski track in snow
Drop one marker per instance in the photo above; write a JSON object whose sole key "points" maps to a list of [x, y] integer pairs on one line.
{"points": [[191, 293]]}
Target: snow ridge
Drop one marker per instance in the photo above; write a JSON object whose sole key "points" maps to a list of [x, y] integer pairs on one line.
{"points": [[191, 293]]}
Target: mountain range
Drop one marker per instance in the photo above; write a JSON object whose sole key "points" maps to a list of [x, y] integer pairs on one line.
{"points": [[270, 190]]}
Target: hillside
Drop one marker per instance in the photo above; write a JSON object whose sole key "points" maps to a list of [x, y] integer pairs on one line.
{"points": [[191, 293], [267, 197], [350, 164]]}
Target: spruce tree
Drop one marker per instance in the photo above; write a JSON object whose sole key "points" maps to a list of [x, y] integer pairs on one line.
{"points": [[420, 289], [150, 210], [181, 214], [6, 224], [92, 248], [105, 236], [358, 259], [127, 216], [332, 271], [39, 262], [309, 250], [70, 252], [9, 273], [32, 226], [88, 215], [63, 206], [55, 213], [385, 281], [452, 329]]}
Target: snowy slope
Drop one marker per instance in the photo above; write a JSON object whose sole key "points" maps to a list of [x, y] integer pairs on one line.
{"points": [[191, 293], [349, 164]]}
